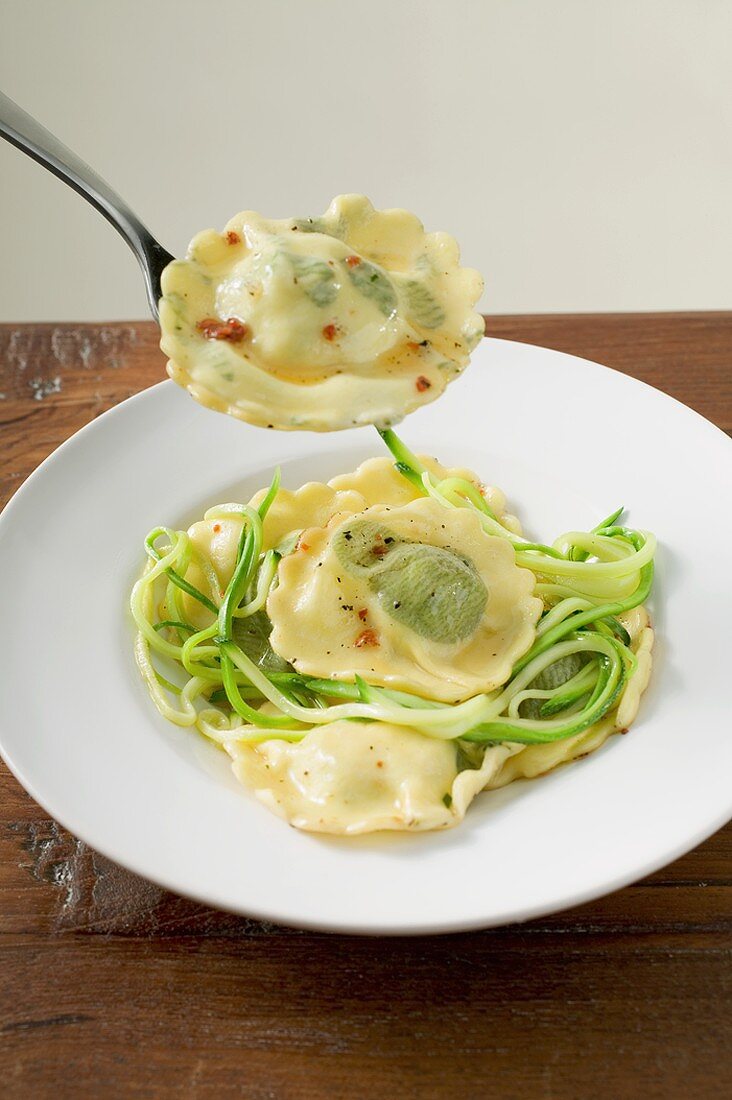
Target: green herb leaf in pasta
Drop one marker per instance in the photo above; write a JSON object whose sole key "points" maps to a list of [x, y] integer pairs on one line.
{"points": [[432, 591], [422, 305], [426, 588], [315, 277], [251, 634], [373, 283]]}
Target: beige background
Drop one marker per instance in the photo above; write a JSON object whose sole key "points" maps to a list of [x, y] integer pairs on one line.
{"points": [[580, 150]]}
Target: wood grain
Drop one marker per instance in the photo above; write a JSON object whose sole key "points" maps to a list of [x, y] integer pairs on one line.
{"points": [[110, 986]]}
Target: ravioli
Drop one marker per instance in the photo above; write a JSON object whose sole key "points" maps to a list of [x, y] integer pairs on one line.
{"points": [[349, 778], [314, 504], [379, 482], [360, 777], [377, 585], [416, 598], [357, 317], [215, 544]]}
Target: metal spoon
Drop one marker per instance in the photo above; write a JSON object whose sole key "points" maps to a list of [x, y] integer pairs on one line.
{"points": [[17, 126]]}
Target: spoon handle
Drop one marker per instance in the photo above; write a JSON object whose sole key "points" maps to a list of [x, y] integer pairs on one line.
{"points": [[19, 128]]}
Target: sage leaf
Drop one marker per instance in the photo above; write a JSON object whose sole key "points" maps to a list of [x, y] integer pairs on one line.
{"points": [[432, 591], [422, 305], [426, 588], [374, 284], [335, 228], [251, 634], [553, 676], [363, 545], [316, 278]]}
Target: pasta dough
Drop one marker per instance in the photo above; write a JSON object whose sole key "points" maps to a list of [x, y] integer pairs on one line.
{"points": [[428, 603], [354, 777], [357, 317], [314, 504], [351, 778]]}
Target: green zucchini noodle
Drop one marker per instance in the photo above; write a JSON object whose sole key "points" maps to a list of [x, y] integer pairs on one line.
{"points": [[575, 673]]}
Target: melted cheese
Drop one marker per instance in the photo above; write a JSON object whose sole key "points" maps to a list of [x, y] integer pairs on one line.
{"points": [[442, 611], [357, 317]]}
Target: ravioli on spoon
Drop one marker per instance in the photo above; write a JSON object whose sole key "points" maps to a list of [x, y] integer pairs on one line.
{"points": [[357, 317]]}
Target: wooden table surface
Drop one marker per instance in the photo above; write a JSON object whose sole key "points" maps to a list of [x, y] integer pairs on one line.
{"points": [[113, 987]]}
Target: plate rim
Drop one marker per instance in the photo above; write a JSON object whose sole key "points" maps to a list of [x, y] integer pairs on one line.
{"points": [[369, 928]]}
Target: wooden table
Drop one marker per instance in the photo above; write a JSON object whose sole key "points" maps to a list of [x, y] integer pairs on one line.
{"points": [[113, 987]]}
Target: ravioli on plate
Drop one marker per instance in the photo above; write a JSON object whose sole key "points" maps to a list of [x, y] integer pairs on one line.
{"points": [[374, 651], [406, 597]]}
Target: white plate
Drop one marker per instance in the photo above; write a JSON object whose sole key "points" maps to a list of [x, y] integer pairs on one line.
{"points": [[568, 441]]}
